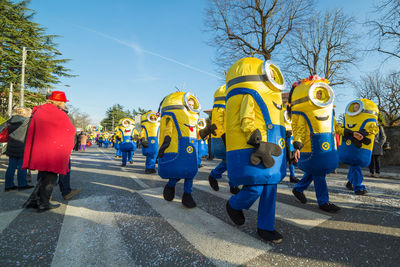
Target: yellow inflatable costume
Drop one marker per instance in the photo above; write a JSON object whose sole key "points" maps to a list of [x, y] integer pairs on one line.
{"points": [[150, 125]]}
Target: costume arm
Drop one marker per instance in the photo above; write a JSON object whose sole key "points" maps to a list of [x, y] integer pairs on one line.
{"points": [[220, 118], [299, 132], [338, 129], [247, 116]]}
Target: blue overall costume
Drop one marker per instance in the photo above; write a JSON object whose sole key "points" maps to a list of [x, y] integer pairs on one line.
{"points": [[203, 150], [151, 151], [180, 165], [257, 181], [106, 142], [127, 147], [316, 164], [290, 148], [100, 141], [118, 152], [356, 157]]}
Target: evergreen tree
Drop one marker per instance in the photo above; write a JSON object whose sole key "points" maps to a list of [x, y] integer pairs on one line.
{"points": [[114, 113]]}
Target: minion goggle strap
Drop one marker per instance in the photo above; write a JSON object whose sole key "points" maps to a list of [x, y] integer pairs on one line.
{"points": [[361, 109], [196, 107], [325, 98], [219, 98], [286, 117], [271, 74], [201, 124]]}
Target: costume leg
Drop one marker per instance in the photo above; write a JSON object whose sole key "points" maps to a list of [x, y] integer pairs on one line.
{"points": [[172, 182], [21, 173], [219, 170], [151, 162], [291, 170], [188, 186], [350, 175], [246, 197], [304, 182], [130, 155], [124, 157], [12, 166], [321, 189], [357, 178], [266, 208]]}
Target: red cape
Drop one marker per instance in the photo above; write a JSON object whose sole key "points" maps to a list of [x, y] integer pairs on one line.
{"points": [[49, 140]]}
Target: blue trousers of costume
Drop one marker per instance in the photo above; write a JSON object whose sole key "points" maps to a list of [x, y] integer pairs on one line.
{"points": [[187, 186], [217, 172], [100, 144], [151, 161], [356, 178], [105, 145], [291, 170], [266, 206], [126, 156], [14, 164], [321, 188]]}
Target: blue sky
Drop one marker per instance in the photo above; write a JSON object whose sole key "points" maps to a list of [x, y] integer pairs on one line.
{"points": [[133, 52]]}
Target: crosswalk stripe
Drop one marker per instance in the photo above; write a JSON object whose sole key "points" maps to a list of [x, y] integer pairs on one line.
{"points": [[139, 182], [215, 239], [89, 236], [7, 217], [297, 216]]}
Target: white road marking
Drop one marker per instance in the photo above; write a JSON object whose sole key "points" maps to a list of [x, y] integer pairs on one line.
{"points": [[297, 216], [7, 217], [224, 244], [89, 236], [139, 182]]}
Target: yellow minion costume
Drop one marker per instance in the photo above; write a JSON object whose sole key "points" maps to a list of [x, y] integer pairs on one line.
{"points": [[100, 139], [361, 116], [117, 140], [106, 140], [128, 135], [150, 125], [311, 103], [255, 140], [178, 138]]}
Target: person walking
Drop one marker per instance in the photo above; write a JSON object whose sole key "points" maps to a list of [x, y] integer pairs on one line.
{"points": [[17, 126], [83, 140], [377, 151], [49, 143]]}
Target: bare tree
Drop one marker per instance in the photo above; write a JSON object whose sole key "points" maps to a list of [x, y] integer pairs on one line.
{"points": [[325, 46], [385, 92], [386, 28], [78, 118], [252, 27]]}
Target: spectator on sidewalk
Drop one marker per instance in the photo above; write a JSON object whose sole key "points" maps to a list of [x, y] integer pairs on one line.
{"points": [[49, 142], [83, 140], [380, 139], [17, 126], [65, 186]]}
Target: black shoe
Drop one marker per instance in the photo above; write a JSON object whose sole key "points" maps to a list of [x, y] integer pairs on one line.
{"points": [[10, 188], [201, 166], [131, 162], [149, 171], [32, 204], [213, 183], [169, 193], [329, 207], [272, 236], [236, 216], [44, 207], [25, 187], [299, 196], [123, 165], [234, 190], [294, 179], [188, 201], [361, 192], [349, 186]]}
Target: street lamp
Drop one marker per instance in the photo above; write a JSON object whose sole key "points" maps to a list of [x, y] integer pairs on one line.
{"points": [[24, 51]]}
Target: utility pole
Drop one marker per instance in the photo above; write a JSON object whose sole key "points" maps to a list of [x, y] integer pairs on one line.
{"points": [[10, 100], [22, 91], [112, 129]]}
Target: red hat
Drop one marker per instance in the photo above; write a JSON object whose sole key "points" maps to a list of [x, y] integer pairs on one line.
{"points": [[58, 96]]}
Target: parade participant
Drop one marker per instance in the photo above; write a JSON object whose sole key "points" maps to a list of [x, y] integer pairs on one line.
{"points": [[289, 146], [255, 141], [129, 135], [49, 142], [117, 140], [218, 146], [106, 140], [311, 104], [178, 144], [100, 139], [201, 143], [150, 125], [356, 144]]}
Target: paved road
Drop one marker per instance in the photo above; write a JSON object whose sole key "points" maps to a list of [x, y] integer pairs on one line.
{"points": [[121, 219]]}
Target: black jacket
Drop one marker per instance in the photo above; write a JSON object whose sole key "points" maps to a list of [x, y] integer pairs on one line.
{"points": [[15, 148]]}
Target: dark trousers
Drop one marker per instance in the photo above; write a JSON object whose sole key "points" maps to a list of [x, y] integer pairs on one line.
{"points": [[64, 182], [42, 192], [374, 166]]}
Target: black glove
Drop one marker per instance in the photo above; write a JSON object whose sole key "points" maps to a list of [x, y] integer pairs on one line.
{"points": [[288, 134], [365, 140], [164, 146], [297, 145], [223, 137], [263, 151], [144, 142], [118, 138], [209, 129]]}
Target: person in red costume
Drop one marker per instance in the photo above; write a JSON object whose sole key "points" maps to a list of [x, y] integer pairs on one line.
{"points": [[48, 146]]}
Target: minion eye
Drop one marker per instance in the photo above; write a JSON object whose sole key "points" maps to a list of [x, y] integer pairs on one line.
{"points": [[321, 94], [286, 116], [274, 75], [191, 102], [354, 108], [201, 123], [152, 117]]}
